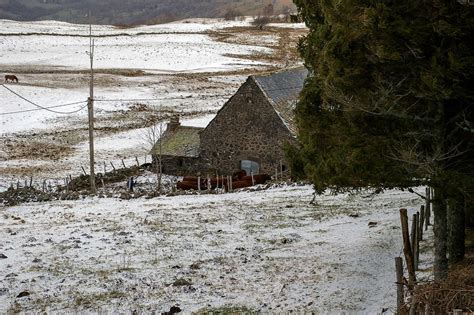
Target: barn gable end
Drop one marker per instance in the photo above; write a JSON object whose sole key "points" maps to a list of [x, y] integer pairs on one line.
{"points": [[247, 128]]}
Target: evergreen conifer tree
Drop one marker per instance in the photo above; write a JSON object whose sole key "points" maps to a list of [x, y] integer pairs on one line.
{"points": [[389, 103]]}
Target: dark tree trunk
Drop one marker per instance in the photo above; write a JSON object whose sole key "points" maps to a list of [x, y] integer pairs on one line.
{"points": [[456, 229], [440, 235], [469, 212]]}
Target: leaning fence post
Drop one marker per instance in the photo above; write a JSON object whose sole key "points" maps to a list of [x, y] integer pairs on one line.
{"points": [[407, 248], [123, 163], [138, 163], [400, 294], [113, 167], [83, 170]]}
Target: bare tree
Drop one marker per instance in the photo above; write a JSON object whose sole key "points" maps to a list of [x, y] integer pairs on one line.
{"points": [[152, 136]]}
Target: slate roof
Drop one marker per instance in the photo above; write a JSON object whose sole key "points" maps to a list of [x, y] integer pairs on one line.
{"points": [[282, 89], [181, 141]]}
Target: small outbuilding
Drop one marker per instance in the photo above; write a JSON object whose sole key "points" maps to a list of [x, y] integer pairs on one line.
{"points": [[179, 148]]}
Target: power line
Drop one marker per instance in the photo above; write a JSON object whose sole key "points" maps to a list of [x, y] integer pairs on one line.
{"points": [[36, 109], [42, 107], [110, 100]]}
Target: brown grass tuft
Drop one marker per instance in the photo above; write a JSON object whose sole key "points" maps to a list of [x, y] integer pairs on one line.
{"points": [[457, 292]]}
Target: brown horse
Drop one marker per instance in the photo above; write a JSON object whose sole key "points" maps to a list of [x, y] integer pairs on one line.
{"points": [[11, 78]]}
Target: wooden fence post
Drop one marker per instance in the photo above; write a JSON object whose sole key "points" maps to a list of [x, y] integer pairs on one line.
{"points": [[253, 182], [414, 239], [400, 294], [105, 168], [138, 163], [199, 183], [407, 248], [31, 181], [417, 241], [84, 170], [428, 207], [208, 183], [113, 167], [422, 222], [123, 163]]}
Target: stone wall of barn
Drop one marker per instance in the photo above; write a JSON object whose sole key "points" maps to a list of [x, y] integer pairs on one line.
{"points": [[246, 128]]}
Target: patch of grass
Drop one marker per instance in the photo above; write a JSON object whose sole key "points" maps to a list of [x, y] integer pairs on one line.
{"points": [[91, 299], [226, 309]]}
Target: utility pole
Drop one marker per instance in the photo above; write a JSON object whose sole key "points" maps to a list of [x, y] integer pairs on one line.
{"points": [[90, 107], [161, 148]]}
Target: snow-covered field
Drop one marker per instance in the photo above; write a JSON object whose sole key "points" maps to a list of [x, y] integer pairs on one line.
{"points": [[268, 251], [151, 52]]}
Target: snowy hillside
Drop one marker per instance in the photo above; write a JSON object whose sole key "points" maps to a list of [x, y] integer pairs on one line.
{"points": [[267, 251]]}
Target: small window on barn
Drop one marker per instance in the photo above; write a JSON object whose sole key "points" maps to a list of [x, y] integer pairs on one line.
{"points": [[250, 167]]}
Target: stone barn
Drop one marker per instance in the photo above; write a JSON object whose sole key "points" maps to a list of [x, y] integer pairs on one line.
{"points": [[249, 132]]}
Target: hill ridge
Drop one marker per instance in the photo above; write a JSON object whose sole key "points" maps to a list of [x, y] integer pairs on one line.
{"points": [[133, 11]]}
